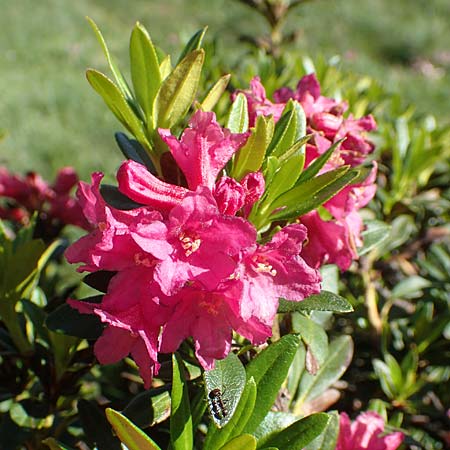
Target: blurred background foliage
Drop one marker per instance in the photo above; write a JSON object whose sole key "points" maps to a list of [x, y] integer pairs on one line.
{"points": [[52, 120]]}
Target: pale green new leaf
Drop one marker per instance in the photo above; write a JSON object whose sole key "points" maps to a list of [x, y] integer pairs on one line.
{"points": [[214, 94], [144, 68], [238, 117], [178, 90], [117, 103], [128, 433], [243, 442]]}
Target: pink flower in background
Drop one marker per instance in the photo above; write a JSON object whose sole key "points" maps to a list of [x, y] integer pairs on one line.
{"points": [[204, 149], [366, 433], [55, 205]]}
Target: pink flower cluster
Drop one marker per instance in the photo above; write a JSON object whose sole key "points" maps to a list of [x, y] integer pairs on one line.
{"points": [[334, 235], [366, 433], [187, 263], [24, 195]]}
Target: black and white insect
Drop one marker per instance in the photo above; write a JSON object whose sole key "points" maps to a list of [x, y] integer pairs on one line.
{"points": [[217, 404]]}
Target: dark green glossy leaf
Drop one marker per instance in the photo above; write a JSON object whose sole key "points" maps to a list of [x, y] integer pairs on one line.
{"points": [[178, 90], [327, 440], [238, 117], [273, 423], [325, 301], [181, 435], [116, 199], [269, 369], [131, 149], [67, 320], [300, 433]]}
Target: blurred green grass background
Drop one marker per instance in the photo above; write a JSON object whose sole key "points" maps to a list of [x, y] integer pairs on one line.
{"points": [[52, 117]]}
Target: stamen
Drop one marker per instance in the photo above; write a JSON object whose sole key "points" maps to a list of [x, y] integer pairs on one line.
{"points": [[190, 244], [263, 266]]}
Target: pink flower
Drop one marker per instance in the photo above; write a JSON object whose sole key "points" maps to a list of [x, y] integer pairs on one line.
{"points": [[203, 149], [31, 193], [206, 243], [114, 243], [366, 433]]}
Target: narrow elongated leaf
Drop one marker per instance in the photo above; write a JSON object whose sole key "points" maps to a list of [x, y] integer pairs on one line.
{"points": [[269, 369], [251, 156], [181, 435], [238, 117], [227, 380], [314, 168], [327, 440], [53, 444], [325, 301], [113, 197], [165, 67], [309, 195], [117, 103], [340, 352], [273, 423], [194, 43], [243, 442], [144, 68], [178, 90], [217, 437], [300, 433], [214, 94], [131, 149], [128, 433], [120, 80], [288, 130]]}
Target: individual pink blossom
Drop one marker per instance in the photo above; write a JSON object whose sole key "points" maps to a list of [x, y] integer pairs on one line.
{"points": [[204, 149], [366, 433]]}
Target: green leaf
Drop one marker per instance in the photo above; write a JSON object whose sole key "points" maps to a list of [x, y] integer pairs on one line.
{"points": [[120, 80], [149, 408], [340, 352], [251, 156], [300, 433], [144, 68], [312, 193], [325, 301], [315, 340], [96, 426], [128, 433], [165, 67], [131, 149], [410, 287], [194, 43], [288, 130], [181, 436], [243, 442], [314, 168], [178, 90], [216, 437], [238, 117], [68, 320], [269, 369], [228, 378], [273, 423], [214, 94], [117, 103], [376, 233], [327, 440], [113, 197]]}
